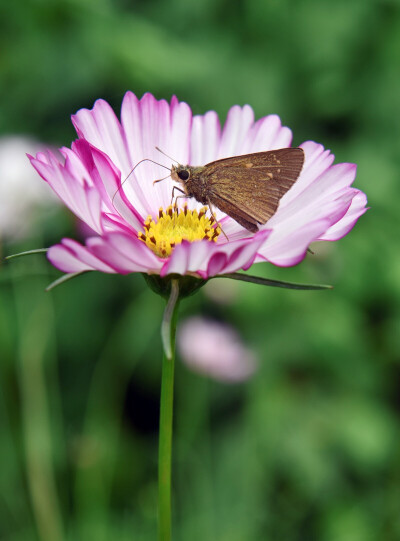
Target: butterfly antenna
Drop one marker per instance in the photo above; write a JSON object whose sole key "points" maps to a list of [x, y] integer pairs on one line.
{"points": [[132, 170], [162, 152]]}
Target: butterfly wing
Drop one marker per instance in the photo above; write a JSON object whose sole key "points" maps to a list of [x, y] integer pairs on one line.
{"points": [[241, 216], [248, 188]]}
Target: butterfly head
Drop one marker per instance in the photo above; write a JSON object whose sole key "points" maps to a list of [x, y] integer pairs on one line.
{"points": [[181, 173]]}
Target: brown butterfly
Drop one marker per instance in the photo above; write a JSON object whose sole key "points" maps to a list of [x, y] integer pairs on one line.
{"points": [[248, 188]]}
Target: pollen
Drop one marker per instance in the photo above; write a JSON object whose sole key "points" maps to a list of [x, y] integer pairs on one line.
{"points": [[174, 225]]}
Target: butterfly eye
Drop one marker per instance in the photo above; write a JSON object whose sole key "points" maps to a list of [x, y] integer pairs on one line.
{"points": [[183, 175]]}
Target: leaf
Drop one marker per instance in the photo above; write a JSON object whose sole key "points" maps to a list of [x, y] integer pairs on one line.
{"points": [[64, 278], [29, 252], [272, 283]]}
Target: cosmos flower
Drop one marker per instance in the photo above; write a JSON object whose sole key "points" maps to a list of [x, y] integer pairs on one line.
{"points": [[134, 227], [214, 349]]}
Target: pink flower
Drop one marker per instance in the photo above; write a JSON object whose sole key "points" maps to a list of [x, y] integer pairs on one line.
{"points": [[128, 235], [215, 349]]}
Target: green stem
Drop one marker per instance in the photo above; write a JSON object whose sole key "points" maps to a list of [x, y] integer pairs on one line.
{"points": [[166, 414]]}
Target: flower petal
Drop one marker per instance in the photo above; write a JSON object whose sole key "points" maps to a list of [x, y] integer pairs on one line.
{"points": [[148, 123], [238, 123], [76, 192], [115, 252], [325, 188], [208, 259], [205, 138], [186, 256], [344, 225], [102, 129], [317, 161], [107, 180], [110, 249], [266, 134], [290, 238], [65, 260], [136, 251], [243, 255], [292, 248], [70, 256]]}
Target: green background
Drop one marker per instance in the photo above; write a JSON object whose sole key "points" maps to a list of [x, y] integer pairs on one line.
{"points": [[309, 448]]}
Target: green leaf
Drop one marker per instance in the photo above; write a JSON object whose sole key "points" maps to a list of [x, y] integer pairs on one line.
{"points": [[272, 283], [64, 278], [29, 252]]}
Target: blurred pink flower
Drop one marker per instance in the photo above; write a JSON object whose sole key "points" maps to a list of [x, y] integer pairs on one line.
{"points": [[21, 191], [132, 234], [214, 349]]}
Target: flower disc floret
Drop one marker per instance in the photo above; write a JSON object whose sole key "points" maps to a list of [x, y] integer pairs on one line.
{"points": [[175, 225]]}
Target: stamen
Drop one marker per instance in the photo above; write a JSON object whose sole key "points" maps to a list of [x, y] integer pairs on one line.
{"points": [[175, 225]]}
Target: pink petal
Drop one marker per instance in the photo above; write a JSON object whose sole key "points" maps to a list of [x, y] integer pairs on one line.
{"points": [[208, 259], [71, 255], [180, 129], [100, 127], [109, 251], [216, 265], [86, 256], [343, 226], [242, 257], [83, 199], [232, 229], [115, 223], [115, 252], [185, 256], [327, 213], [309, 203], [155, 116], [235, 131], [266, 134], [291, 249], [75, 165], [107, 180], [148, 123], [205, 138], [65, 260], [317, 161], [136, 185], [140, 256]]}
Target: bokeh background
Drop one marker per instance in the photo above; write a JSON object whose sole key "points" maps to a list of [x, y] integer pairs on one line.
{"points": [[309, 447]]}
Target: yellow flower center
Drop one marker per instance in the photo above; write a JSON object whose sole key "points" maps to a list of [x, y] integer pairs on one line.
{"points": [[175, 225]]}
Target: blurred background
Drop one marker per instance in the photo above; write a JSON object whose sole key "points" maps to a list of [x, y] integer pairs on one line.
{"points": [[308, 447]]}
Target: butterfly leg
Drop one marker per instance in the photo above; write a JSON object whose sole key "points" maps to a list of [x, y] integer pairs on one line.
{"points": [[179, 196], [215, 218]]}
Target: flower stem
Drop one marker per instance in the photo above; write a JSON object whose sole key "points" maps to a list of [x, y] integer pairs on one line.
{"points": [[168, 331]]}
